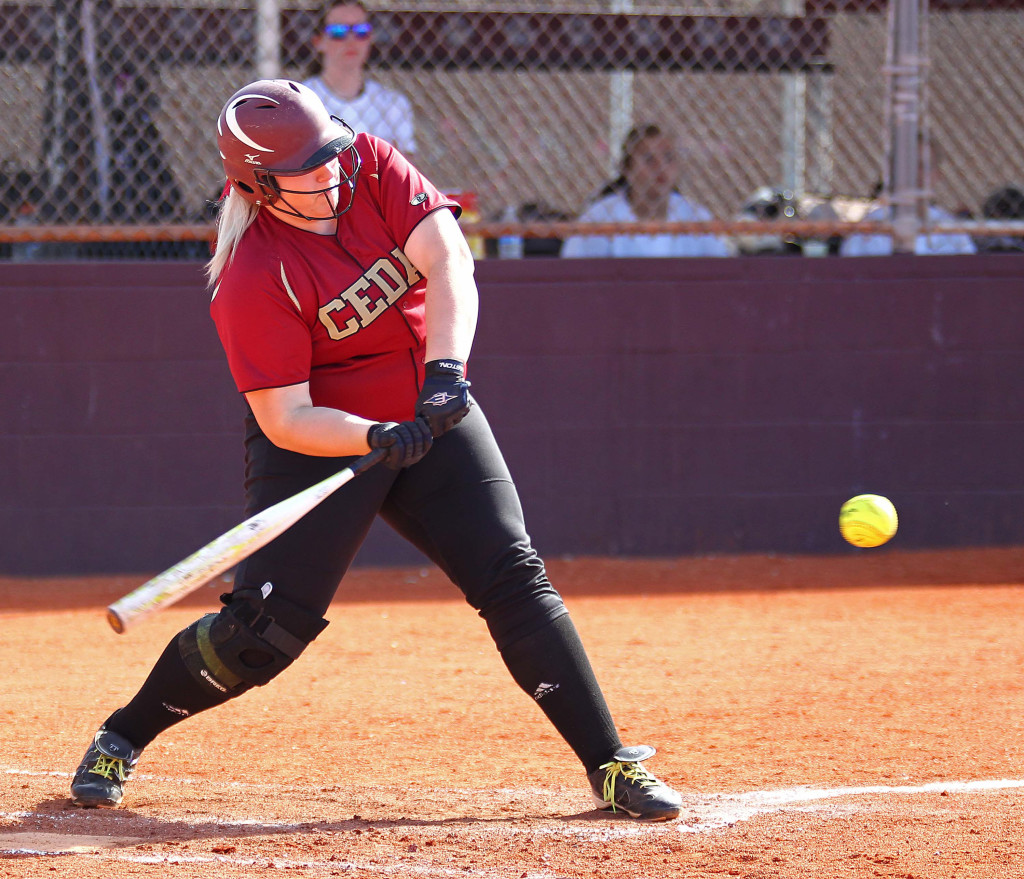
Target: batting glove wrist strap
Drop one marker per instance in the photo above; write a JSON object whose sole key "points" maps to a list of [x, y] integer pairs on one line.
{"points": [[446, 367]]}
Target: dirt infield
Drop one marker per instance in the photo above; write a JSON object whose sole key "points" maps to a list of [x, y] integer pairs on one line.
{"points": [[855, 716]]}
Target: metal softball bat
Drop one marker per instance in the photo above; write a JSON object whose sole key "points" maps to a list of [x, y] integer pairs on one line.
{"points": [[229, 549]]}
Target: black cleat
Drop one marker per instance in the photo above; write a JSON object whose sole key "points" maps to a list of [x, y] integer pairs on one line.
{"points": [[106, 766], [623, 784]]}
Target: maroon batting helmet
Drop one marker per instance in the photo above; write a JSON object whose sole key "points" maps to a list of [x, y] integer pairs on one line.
{"points": [[275, 128]]}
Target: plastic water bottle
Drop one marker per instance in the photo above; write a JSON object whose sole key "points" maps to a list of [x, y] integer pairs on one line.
{"points": [[510, 246], [470, 214]]}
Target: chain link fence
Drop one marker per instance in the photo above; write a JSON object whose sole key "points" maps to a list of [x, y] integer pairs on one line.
{"points": [[781, 109]]}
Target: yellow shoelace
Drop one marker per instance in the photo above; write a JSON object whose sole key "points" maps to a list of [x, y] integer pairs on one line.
{"points": [[632, 771], [108, 767]]}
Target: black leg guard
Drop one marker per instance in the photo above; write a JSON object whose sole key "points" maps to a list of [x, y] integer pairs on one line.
{"points": [[169, 694], [216, 659], [551, 665], [255, 637]]}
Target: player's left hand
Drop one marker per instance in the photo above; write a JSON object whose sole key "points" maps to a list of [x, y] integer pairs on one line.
{"points": [[404, 443], [444, 400]]}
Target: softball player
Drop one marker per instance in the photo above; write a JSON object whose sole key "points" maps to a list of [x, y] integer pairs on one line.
{"points": [[344, 297]]}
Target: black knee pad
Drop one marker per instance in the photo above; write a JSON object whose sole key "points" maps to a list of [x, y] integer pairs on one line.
{"points": [[253, 639]]}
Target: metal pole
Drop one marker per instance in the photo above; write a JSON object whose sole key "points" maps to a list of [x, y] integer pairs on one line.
{"points": [[620, 101], [97, 107], [794, 116], [268, 39], [56, 157], [904, 123], [794, 110], [819, 126]]}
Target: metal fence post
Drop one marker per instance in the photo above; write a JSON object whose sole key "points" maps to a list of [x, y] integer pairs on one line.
{"points": [[620, 103], [905, 96], [268, 39], [794, 119]]}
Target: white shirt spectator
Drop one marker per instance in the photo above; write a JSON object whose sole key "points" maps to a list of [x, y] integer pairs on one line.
{"points": [[375, 110], [932, 244], [616, 208]]}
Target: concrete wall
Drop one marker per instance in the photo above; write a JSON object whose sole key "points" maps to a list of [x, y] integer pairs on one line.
{"points": [[650, 407]]}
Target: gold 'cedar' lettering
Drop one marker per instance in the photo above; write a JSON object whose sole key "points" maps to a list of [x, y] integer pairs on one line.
{"points": [[367, 308], [410, 270], [383, 275], [333, 330]]}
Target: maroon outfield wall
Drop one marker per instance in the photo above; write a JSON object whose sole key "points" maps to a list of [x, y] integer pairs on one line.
{"points": [[647, 407]]}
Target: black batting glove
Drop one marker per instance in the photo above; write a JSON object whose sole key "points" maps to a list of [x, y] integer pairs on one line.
{"points": [[405, 443], [444, 400]]}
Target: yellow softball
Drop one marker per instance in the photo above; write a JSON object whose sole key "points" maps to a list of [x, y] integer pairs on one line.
{"points": [[868, 520]]}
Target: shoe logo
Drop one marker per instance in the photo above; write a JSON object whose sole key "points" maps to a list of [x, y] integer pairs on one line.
{"points": [[174, 709], [543, 690], [439, 399]]}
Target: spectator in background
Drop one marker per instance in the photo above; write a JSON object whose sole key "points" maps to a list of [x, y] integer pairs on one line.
{"points": [[929, 242], [1006, 203], [343, 41], [646, 189], [141, 179]]}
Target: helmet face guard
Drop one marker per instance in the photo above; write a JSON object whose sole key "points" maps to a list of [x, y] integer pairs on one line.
{"points": [[274, 129], [272, 182]]}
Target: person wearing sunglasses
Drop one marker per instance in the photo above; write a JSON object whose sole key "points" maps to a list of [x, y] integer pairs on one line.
{"points": [[343, 40]]}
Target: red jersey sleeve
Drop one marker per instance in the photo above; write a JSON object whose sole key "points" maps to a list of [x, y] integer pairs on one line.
{"points": [[403, 194], [260, 322]]}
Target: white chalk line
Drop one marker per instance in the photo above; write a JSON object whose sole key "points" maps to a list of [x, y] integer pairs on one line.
{"points": [[724, 810], [404, 868], [713, 812]]}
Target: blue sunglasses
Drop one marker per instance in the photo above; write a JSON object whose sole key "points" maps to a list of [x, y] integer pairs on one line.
{"points": [[340, 31]]}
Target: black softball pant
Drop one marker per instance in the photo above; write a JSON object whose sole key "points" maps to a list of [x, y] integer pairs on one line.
{"points": [[458, 505]]}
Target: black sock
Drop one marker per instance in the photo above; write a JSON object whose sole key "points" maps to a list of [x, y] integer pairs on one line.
{"points": [[168, 696], [551, 666]]}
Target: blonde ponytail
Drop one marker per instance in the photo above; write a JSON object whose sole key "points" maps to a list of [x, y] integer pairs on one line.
{"points": [[236, 215]]}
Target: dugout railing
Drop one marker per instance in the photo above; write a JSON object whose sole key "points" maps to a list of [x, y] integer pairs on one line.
{"points": [[107, 108]]}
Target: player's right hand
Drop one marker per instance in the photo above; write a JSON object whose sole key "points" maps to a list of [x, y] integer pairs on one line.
{"points": [[444, 400], [405, 443]]}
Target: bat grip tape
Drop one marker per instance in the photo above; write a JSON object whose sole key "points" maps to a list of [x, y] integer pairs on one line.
{"points": [[360, 465]]}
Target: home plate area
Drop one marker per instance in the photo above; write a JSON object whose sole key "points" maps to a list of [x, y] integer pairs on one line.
{"points": [[533, 833]]}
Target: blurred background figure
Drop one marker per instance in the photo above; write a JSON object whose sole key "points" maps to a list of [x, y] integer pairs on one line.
{"points": [[1005, 203], [647, 188], [343, 40], [142, 184], [531, 212], [20, 197], [141, 174], [930, 242], [823, 212], [775, 204]]}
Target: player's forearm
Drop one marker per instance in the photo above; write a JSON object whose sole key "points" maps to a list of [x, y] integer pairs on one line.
{"points": [[451, 311], [290, 420], [320, 431]]}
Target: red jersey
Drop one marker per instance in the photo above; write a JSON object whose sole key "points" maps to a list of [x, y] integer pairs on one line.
{"points": [[345, 312]]}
